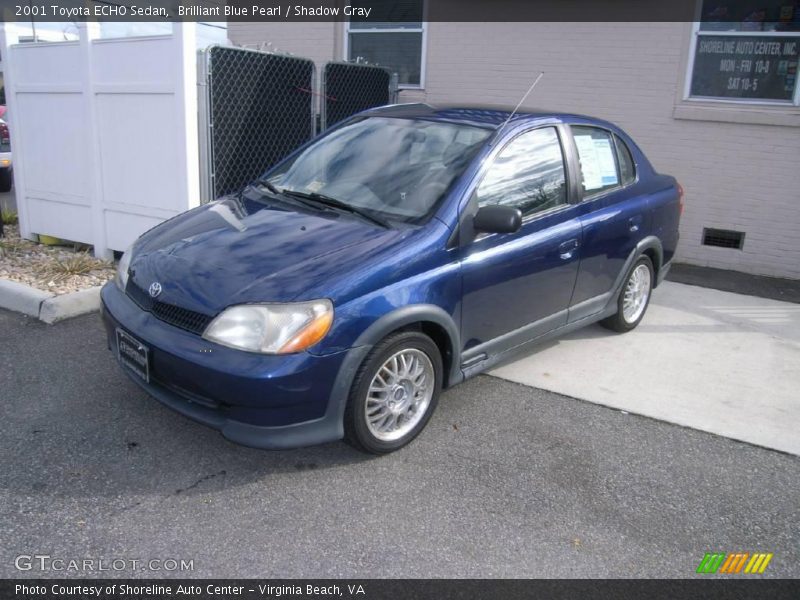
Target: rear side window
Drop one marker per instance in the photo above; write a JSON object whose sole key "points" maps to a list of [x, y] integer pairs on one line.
{"points": [[627, 169], [598, 160]]}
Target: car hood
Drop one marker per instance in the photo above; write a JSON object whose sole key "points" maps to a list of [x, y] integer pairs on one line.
{"points": [[236, 251]]}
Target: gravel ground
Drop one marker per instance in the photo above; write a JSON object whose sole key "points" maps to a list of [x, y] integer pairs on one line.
{"points": [[50, 268]]}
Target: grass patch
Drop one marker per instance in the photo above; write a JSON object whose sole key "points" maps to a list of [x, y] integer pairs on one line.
{"points": [[10, 217], [11, 247], [79, 264]]}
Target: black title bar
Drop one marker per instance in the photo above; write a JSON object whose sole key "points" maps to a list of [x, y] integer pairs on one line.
{"points": [[371, 589], [364, 10]]}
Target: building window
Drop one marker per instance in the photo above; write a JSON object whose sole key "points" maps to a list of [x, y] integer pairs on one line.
{"points": [[393, 36], [745, 55]]}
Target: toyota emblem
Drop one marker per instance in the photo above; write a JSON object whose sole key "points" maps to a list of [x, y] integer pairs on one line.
{"points": [[155, 289]]}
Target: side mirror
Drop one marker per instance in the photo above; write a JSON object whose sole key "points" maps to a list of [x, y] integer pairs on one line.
{"points": [[497, 219]]}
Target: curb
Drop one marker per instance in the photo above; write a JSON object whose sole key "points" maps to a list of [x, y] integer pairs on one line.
{"points": [[45, 306]]}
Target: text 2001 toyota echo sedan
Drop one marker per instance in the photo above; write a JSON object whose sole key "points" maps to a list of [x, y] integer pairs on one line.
{"points": [[398, 254]]}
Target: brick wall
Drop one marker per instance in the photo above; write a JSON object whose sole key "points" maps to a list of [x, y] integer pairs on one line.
{"points": [[736, 176], [309, 40]]}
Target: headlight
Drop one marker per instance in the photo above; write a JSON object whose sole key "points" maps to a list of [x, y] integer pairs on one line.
{"points": [[122, 268], [272, 328]]}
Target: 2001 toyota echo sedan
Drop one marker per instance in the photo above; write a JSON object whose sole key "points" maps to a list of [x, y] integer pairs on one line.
{"points": [[398, 254]]}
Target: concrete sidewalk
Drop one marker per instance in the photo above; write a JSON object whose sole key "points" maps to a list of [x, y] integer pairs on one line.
{"points": [[715, 361]]}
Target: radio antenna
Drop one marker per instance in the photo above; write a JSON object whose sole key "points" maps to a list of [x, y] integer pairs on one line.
{"points": [[511, 116]]}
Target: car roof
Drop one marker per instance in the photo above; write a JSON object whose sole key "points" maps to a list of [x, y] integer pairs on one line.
{"points": [[487, 116]]}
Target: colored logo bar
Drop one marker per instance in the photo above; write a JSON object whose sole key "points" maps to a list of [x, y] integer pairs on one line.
{"points": [[734, 563]]}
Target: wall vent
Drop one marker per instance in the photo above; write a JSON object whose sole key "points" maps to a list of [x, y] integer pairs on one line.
{"points": [[723, 238]]}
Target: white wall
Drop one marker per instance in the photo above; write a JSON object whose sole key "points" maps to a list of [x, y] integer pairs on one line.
{"points": [[736, 176], [104, 134]]}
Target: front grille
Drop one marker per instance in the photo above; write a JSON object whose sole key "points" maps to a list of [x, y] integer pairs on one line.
{"points": [[183, 318]]}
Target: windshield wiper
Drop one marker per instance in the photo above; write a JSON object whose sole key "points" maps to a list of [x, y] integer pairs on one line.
{"points": [[267, 184], [336, 203], [279, 194]]}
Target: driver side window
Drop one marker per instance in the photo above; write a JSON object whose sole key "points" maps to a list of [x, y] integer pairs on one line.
{"points": [[528, 174]]}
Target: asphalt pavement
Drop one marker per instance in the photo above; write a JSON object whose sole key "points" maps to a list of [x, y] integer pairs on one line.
{"points": [[775, 288], [506, 481]]}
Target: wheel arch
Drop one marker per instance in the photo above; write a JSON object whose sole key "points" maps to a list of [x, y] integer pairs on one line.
{"points": [[429, 319], [650, 247], [655, 253]]}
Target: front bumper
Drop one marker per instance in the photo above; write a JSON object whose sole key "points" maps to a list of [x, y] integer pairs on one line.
{"points": [[257, 400]]}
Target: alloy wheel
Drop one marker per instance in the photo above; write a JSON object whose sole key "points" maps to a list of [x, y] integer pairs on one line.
{"points": [[637, 292], [399, 394]]}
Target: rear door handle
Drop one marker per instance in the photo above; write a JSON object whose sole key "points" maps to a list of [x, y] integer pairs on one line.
{"points": [[567, 249]]}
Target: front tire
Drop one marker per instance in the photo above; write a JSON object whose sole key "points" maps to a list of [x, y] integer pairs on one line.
{"points": [[394, 393], [634, 297]]}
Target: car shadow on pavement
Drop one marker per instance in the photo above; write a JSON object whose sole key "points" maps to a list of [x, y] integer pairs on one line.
{"points": [[76, 426], [119, 440]]}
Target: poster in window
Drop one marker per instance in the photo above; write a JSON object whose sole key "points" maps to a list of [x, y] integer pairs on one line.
{"points": [[752, 67]]}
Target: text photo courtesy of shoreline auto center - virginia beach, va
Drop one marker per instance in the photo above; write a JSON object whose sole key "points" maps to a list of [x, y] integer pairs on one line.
{"points": [[399, 299]]}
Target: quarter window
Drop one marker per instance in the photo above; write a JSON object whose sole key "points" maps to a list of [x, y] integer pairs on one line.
{"points": [[627, 170], [528, 174], [598, 164]]}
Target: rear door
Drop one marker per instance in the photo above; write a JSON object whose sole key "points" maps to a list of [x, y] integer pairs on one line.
{"points": [[613, 216]]}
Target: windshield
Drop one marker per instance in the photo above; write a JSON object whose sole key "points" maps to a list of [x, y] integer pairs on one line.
{"points": [[395, 168]]}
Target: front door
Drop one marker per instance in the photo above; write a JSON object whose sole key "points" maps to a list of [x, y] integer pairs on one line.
{"points": [[517, 286]]}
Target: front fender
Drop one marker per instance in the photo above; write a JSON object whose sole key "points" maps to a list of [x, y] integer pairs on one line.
{"points": [[408, 315], [433, 297], [418, 313]]}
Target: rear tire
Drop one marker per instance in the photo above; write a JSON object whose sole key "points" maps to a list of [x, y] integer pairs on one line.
{"points": [[394, 393], [634, 297]]}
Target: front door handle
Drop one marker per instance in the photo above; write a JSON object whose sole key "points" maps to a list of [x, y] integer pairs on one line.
{"points": [[567, 249]]}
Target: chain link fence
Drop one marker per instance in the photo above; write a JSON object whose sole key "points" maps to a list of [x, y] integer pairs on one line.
{"points": [[258, 108], [349, 88]]}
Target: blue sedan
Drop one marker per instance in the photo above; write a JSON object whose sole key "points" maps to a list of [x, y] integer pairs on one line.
{"points": [[398, 254]]}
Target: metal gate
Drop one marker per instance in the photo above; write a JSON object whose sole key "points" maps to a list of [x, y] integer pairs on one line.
{"points": [[257, 108], [349, 88]]}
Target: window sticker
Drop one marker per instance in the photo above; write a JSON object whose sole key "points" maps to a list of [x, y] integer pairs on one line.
{"points": [[597, 162], [605, 158], [590, 166]]}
